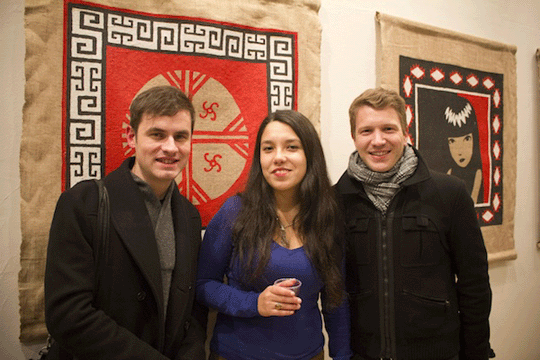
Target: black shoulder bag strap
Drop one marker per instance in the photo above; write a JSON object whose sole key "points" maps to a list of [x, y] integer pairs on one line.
{"points": [[102, 239]]}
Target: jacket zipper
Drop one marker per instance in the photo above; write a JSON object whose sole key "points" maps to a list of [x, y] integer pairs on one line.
{"points": [[385, 267], [388, 336], [386, 308]]}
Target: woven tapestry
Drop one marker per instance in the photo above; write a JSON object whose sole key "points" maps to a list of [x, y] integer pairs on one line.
{"points": [[460, 95], [86, 61]]}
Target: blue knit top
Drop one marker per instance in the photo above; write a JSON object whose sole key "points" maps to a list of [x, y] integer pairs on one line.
{"points": [[240, 332]]}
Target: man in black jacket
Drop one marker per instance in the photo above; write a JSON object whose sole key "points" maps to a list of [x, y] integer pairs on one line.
{"points": [[139, 303], [417, 271]]}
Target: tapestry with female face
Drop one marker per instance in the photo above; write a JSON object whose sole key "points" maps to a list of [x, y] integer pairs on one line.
{"points": [[455, 120], [453, 141]]}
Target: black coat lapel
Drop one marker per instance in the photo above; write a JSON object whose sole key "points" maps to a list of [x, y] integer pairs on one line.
{"points": [[184, 269], [132, 222]]}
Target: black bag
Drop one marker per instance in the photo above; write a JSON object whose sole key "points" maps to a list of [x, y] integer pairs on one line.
{"points": [[52, 350]]}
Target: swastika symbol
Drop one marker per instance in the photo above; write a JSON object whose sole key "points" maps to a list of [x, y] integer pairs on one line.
{"points": [[209, 111], [212, 162]]}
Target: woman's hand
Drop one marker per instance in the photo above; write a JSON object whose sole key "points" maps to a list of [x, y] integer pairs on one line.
{"points": [[277, 300]]}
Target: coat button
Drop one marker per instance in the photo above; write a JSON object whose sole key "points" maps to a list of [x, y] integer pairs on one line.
{"points": [[141, 296]]}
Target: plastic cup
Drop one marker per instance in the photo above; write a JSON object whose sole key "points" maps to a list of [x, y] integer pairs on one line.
{"points": [[295, 286]]}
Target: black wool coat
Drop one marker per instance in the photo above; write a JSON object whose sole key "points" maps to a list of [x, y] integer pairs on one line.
{"points": [[122, 316]]}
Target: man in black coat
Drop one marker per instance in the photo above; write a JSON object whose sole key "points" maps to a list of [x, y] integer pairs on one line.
{"points": [[416, 269], [139, 303]]}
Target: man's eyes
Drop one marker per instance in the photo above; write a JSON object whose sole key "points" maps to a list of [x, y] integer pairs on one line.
{"points": [[177, 137], [386, 130], [181, 137]]}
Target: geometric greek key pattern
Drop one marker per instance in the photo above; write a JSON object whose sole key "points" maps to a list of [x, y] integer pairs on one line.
{"points": [[91, 29]]}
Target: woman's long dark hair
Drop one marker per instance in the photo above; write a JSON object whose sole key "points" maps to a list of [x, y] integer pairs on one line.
{"points": [[460, 107], [317, 221]]}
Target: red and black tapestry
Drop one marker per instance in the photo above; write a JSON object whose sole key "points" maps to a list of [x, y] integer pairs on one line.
{"points": [[235, 76], [455, 118]]}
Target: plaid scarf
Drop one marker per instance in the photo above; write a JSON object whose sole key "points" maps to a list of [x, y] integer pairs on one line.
{"points": [[382, 186]]}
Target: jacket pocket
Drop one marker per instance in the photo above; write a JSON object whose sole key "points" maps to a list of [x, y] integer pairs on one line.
{"points": [[423, 315], [421, 244], [359, 246]]}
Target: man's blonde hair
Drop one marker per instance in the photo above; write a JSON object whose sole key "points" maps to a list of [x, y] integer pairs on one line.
{"points": [[378, 99]]}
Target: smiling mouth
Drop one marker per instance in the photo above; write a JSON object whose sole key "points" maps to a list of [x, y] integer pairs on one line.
{"points": [[167, 161], [280, 172], [380, 153]]}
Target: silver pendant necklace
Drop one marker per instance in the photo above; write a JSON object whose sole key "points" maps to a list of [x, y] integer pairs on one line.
{"points": [[283, 232]]}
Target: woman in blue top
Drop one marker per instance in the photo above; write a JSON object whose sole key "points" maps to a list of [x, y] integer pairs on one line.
{"points": [[284, 225]]}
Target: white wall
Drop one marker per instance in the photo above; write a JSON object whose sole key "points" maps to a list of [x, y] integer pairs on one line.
{"points": [[348, 68]]}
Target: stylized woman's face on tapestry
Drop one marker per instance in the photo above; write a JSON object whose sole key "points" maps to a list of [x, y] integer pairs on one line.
{"points": [[461, 149], [461, 130]]}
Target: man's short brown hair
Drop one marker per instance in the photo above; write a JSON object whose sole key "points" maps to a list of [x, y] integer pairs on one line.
{"points": [[378, 99], [160, 101]]}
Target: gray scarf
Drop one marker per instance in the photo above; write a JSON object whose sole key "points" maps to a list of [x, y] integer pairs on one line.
{"points": [[161, 215], [382, 186]]}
